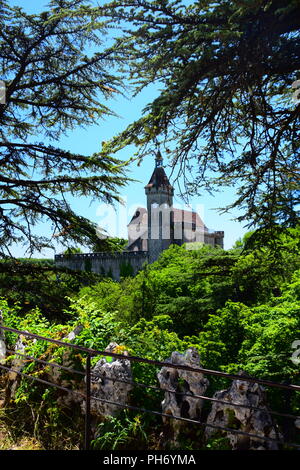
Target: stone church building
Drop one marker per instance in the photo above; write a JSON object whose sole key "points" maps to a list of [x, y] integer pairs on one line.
{"points": [[150, 231]]}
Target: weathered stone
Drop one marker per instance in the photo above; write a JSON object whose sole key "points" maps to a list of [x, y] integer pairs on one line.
{"points": [[19, 361], [107, 263], [258, 422], [66, 379], [72, 335], [17, 365], [109, 381], [180, 382], [2, 341]]}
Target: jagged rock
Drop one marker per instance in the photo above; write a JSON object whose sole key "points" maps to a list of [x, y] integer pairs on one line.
{"points": [[2, 341], [17, 365], [66, 379], [19, 361], [72, 335], [179, 382], [258, 422], [109, 382]]}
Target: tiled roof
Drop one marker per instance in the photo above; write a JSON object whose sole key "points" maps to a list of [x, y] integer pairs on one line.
{"points": [[180, 215], [139, 217], [159, 179]]}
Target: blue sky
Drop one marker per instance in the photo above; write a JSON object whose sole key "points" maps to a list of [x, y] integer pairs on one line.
{"points": [[89, 140]]}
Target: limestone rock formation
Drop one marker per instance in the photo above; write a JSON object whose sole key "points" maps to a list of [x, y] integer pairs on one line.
{"points": [[258, 422], [72, 335], [17, 365], [177, 382], [67, 379], [109, 382], [2, 341]]}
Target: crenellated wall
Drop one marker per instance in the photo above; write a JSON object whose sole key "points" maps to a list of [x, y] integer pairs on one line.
{"points": [[115, 265]]}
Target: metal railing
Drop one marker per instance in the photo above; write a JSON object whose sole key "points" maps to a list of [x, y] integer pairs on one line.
{"points": [[88, 373]]}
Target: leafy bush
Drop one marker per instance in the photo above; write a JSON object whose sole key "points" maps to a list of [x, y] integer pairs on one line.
{"points": [[257, 339], [178, 285], [35, 284], [239, 308], [190, 285], [122, 432]]}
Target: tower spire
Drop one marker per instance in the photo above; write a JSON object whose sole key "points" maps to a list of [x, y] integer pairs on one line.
{"points": [[159, 194], [158, 159]]}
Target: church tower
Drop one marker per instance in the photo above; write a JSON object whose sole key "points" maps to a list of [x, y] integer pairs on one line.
{"points": [[159, 194]]}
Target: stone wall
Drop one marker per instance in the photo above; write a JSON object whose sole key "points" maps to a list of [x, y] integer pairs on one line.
{"points": [[115, 265]]}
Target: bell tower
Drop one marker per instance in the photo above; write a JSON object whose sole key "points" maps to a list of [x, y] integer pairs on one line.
{"points": [[159, 194]]}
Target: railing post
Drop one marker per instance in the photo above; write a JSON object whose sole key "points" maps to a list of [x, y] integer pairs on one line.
{"points": [[87, 438]]}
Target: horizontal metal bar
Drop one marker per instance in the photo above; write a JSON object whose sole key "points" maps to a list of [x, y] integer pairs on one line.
{"points": [[144, 410], [152, 387], [179, 418], [200, 370], [41, 380], [202, 397], [52, 364]]}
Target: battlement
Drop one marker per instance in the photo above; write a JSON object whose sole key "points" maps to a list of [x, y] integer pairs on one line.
{"points": [[101, 255], [114, 265]]}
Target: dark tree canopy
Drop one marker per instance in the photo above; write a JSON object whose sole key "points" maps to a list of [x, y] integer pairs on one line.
{"points": [[228, 109], [57, 74]]}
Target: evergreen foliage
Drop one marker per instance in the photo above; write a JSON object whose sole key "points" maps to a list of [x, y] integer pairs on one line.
{"points": [[57, 75], [227, 111]]}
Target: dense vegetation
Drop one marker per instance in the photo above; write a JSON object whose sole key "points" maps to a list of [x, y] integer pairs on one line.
{"points": [[240, 309]]}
